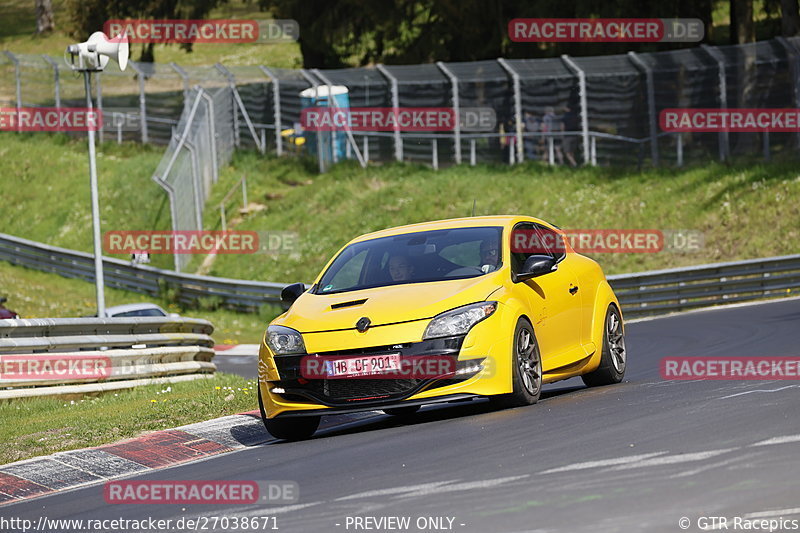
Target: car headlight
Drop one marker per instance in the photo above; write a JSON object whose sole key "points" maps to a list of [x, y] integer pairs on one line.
{"points": [[283, 341], [458, 321]]}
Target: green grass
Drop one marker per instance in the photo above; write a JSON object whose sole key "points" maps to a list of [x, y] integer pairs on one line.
{"points": [[18, 35], [744, 211], [41, 426]]}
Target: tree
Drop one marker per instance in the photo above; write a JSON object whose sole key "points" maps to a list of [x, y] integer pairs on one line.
{"points": [[88, 16], [790, 19], [742, 29], [44, 16]]}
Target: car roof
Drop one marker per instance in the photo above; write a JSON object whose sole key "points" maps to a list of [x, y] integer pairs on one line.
{"points": [[466, 222], [126, 308]]}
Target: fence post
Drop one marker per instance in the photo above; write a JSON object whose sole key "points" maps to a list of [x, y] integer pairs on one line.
{"points": [[792, 56], [398, 141], [212, 133], [472, 152], [348, 133], [318, 135], [724, 149], [456, 108], [276, 108], [517, 105], [232, 84], [584, 105], [651, 104], [185, 77], [56, 78], [142, 101], [14, 60]]}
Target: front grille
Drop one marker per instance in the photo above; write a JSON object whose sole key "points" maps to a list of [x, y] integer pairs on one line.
{"points": [[354, 389]]}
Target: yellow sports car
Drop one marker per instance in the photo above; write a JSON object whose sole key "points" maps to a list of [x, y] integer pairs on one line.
{"points": [[442, 311]]}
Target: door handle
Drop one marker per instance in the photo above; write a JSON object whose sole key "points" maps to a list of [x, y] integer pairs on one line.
{"points": [[573, 289]]}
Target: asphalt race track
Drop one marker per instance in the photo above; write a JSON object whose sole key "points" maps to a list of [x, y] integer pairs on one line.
{"points": [[638, 456]]}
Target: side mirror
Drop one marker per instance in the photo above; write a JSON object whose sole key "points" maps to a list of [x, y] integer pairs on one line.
{"points": [[292, 292], [536, 265]]}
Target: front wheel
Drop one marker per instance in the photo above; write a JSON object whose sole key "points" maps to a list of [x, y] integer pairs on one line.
{"points": [[526, 369], [614, 358], [299, 428]]}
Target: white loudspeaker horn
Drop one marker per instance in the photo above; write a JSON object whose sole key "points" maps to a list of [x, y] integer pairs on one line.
{"points": [[95, 52]]}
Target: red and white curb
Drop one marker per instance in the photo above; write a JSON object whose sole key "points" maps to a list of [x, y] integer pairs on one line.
{"points": [[61, 471], [236, 349]]}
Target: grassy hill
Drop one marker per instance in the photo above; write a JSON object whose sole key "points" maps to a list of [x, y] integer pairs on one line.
{"points": [[744, 211]]}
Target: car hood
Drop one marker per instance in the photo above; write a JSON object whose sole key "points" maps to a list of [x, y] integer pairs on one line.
{"points": [[386, 305]]}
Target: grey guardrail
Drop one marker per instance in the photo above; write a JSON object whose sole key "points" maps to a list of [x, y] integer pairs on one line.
{"points": [[235, 294], [658, 292], [640, 294], [65, 356]]}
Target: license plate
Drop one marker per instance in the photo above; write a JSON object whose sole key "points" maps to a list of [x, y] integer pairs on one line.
{"points": [[368, 365]]}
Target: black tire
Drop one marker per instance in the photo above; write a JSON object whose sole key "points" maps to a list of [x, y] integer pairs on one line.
{"points": [[613, 359], [402, 412], [527, 369], [293, 428]]}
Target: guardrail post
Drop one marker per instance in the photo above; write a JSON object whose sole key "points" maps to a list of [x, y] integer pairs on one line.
{"points": [[651, 104], [765, 140], [435, 153], [517, 105], [679, 149], [584, 105], [276, 108], [456, 108], [142, 101], [724, 146], [398, 140]]}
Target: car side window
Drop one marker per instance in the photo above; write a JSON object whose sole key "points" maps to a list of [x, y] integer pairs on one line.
{"points": [[529, 239], [553, 242]]}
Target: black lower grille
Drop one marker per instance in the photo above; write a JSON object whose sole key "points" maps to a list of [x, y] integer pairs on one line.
{"points": [[354, 389]]}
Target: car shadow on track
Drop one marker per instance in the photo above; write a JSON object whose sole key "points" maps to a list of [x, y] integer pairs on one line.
{"points": [[433, 413]]}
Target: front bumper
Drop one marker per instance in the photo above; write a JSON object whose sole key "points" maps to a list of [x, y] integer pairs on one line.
{"points": [[297, 396]]}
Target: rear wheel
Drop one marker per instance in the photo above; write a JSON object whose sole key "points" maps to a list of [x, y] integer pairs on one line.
{"points": [[294, 428], [402, 411], [614, 358], [526, 369]]}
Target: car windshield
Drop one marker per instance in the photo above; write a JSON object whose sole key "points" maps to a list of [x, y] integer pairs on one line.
{"points": [[141, 312], [419, 257]]}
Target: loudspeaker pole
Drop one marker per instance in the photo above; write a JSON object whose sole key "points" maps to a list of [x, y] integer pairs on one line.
{"points": [[98, 250]]}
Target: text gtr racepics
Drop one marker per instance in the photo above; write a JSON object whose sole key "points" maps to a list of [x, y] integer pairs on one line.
{"points": [[439, 312]]}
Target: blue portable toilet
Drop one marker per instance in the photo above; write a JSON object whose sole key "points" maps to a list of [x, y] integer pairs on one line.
{"points": [[334, 143]]}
